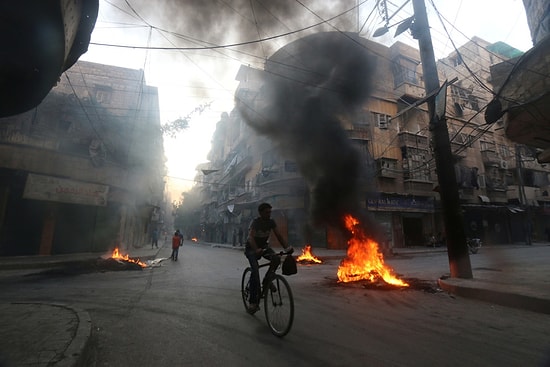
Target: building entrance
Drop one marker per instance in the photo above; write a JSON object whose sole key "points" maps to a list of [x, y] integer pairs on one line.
{"points": [[412, 231]]}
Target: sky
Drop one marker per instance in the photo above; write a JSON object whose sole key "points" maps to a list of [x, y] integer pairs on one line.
{"points": [[187, 48]]}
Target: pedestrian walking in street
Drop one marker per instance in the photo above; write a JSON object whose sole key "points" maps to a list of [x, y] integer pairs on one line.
{"points": [[155, 238], [176, 243], [240, 236]]}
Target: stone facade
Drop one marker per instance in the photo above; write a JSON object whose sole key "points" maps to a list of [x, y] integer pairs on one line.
{"points": [[498, 181], [83, 171]]}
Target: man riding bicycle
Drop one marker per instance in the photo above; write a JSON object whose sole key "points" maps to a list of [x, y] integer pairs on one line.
{"points": [[257, 246]]}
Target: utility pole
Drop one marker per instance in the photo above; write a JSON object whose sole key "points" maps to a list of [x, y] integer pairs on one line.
{"points": [[457, 249], [522, 197]]}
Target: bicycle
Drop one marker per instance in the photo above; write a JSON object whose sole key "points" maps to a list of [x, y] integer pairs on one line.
{"points": [[278, 299]]}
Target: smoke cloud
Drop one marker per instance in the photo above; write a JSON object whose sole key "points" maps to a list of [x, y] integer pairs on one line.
{"points": [[194, 23], [312, 87]]}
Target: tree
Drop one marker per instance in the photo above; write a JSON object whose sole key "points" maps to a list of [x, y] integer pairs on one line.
{"points": [[182, 123]]}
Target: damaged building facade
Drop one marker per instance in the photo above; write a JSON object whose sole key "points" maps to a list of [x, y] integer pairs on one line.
{"points": [[84, 170], [391, 133]]}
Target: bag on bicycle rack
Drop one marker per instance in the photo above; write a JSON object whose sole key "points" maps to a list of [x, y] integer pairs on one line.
{"points": [[289, 265]]}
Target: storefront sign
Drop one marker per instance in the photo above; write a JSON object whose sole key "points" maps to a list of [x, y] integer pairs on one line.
{"points": [[62, 190], [386, 202]]}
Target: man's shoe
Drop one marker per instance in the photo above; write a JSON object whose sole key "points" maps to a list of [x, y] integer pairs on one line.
{"points": [[253, 308], [272, 287]]}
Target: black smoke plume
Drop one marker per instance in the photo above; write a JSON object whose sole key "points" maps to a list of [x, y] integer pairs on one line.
{"points": [[312, 87]]}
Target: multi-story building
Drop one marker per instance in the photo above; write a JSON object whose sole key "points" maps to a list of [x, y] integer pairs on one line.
{"points": [[522, 98], [392, 134], [83, 171]]}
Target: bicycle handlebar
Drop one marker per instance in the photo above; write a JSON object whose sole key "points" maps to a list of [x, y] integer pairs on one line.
{"points": [[281, 253]]}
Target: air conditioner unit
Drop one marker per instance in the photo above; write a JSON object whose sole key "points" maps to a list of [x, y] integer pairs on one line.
{"points": [[503, 164]]}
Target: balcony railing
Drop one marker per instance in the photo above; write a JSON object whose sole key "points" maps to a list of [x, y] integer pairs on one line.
{"points": [[409, 90], [413, 140], [418, 186], [490, 157]]}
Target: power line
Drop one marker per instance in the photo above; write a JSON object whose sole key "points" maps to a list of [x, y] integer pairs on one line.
{"points": [[232, 44]]}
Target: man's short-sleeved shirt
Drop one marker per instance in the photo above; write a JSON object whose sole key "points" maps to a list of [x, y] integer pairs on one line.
{"points": [[262, 230]]}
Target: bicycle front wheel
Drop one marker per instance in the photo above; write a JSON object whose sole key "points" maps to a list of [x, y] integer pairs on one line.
{"points": [[245, 288], [279, 305]]}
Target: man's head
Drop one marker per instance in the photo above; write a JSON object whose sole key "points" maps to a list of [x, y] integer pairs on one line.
{"points": [[265, 210]]}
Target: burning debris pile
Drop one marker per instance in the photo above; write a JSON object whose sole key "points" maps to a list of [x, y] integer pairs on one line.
{"points": [[364, 261], [308, 257], [116, 262], [125, 259]]}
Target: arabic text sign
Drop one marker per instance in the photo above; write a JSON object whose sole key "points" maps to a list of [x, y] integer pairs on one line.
{"points": [[62, 190]]}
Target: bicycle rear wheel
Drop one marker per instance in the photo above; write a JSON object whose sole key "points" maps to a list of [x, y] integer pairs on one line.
{"points": [[279, 306], [245, 288]]}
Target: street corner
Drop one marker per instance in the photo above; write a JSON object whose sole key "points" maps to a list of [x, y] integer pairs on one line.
{"points": [[27, 325]]}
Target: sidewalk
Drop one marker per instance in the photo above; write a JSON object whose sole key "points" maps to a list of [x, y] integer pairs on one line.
{"points": [[41, 334]]}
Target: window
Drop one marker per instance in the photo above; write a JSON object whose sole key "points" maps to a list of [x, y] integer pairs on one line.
{"points": [[487, 146], [404, 71], [505, 151], [290, 166], [103, 94], [381, 120], [459, 95], [415, 164], [457, 60], [463, 98]]}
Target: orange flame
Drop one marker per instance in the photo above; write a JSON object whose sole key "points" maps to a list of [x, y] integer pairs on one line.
{"points": [[116, 255], [307, 255], [364, 260], [194, 239]]}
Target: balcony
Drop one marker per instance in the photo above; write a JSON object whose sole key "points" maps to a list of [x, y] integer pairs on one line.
{"points": [[407, 139], [387, 168], [358, 134], [531, 194], [409, 92], [418, 186], [490, 157]]}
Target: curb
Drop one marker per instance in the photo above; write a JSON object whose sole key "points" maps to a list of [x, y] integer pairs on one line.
{"points": [[76, 352], [520, 301]]}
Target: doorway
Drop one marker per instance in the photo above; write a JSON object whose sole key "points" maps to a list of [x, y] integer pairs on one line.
{"points": [[412, 231]]}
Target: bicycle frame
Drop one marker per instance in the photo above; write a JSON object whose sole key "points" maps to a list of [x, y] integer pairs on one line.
{"points": [[277, 298]]}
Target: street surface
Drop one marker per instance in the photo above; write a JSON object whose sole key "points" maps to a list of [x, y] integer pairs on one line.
{"points": [[190, 313]]}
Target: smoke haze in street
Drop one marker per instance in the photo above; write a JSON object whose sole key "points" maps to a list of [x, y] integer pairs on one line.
{"points": [[312, 86]]}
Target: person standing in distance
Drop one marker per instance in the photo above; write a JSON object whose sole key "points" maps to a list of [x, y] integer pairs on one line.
{"points": [[176, 243], [257, 246]]}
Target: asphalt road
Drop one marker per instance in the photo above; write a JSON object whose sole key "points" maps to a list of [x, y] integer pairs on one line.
{"points": [[189, 313]]}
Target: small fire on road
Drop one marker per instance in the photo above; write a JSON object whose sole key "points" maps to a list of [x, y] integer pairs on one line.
{"points": [[364, 261], [118, 256], [307, 256]]}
